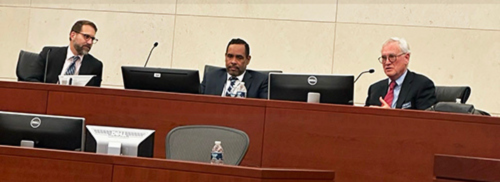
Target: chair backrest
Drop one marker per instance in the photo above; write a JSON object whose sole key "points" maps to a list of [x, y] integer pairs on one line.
{"points": [[453, 107], [210, 68], [23, 70], [195, 142], [451, 93]]}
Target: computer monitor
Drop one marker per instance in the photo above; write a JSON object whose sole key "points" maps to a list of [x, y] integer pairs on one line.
{"points": [[120, 141], [42, 131], [161, 79], [334, 89]]}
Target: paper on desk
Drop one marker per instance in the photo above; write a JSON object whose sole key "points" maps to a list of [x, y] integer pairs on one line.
{"points": [[78, 80]]}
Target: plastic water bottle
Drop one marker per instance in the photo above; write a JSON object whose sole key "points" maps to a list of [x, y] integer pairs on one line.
{"points": [[217, 153], [241, 90]]}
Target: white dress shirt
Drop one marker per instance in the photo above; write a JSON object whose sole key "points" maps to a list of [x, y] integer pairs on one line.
{"points": [[228, 82], [69, 60]]}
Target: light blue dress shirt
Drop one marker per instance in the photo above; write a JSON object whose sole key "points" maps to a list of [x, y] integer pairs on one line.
{"points": [[397, 88]]}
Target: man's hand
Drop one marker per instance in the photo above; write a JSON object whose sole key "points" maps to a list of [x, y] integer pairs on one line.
{"points": [[384, 104]]}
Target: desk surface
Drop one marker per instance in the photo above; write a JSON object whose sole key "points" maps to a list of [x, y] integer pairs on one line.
{"points": [[27, 164], [464, 168], [359, 143]]}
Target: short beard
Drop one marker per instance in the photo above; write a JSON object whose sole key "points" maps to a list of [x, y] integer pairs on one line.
{"points": [[79, 49]]}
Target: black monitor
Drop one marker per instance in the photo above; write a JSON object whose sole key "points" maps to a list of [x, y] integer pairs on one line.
{"points": [[161, 79], [333, 89], [42, 131], [120, 141]]}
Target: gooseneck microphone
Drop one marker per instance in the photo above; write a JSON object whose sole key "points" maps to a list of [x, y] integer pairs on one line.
{"points": [[367, 71], [46, 65], [154, 45]]}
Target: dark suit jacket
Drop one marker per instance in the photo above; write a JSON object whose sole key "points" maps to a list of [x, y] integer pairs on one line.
{"points": [[57, 57], [255, 83], [417, 92]]}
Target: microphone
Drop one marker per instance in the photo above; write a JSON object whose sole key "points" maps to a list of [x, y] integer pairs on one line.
{"points": [[154, 45], [46, 65], [371, 70]]}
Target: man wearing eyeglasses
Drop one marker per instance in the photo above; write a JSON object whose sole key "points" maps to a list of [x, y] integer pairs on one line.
{"points": [[70, 60], [403, 88]]}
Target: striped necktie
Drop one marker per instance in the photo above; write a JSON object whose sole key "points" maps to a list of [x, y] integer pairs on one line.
{"points": [[230, 88], [72, 68]]}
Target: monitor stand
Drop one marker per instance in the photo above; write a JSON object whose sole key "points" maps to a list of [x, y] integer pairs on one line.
{"points": [[114, 148], [28, 143]]}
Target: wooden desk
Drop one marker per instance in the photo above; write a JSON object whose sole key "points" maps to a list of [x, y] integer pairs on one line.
{"points": [[371, 144], [143, 109], [26, 164], [448, 168], [359, 143]]}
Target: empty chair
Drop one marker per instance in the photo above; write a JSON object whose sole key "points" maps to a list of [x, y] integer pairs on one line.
{"points": [[24, 69], [452, 93], [195, 142]]}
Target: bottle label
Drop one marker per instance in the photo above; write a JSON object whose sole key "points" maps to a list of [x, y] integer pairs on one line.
{"points": [[217, 155], [241, 94]]}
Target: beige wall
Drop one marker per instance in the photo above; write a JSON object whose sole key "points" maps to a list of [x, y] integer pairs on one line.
{"points": [[454, 42]]}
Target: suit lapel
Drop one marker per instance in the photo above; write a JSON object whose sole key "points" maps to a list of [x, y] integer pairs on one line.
{"points": [[221, 81], [405, 89], [56, 63], [385, 88], [247, 79], [86, 67]]}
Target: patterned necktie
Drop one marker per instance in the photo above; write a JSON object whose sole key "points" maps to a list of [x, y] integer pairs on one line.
{"points": [[233, 81], [72, 67], [389, 97]]}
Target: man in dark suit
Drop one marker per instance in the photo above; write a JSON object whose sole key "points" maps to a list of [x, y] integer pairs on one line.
{"points": [[218, 82], [403, 88], [70, 60]]}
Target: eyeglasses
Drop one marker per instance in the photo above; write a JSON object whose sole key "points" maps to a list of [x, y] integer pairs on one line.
{"points": [[88, 37], [392, 58]]}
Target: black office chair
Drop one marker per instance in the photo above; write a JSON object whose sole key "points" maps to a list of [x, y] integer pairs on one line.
{"points": [[210, 68], [195, 142], [452, 93], [457, 108], [24, 69]]}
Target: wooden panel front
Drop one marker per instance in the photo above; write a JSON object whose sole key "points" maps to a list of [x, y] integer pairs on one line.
{"points": [[31, 169], [466, 168], [368, 144], [23, 100], [145, 174], [140, 174], [163, 114], [449, 180]]}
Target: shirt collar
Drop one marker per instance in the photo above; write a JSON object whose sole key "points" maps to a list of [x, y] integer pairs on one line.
{"points": [[240, 78], [400, 80], [70, 54]]}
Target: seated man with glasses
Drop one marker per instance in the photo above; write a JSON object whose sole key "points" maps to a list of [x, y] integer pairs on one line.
{"points": [[403, 88], [70, 60]]}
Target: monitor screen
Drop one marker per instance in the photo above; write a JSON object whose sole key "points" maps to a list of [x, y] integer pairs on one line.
{"points": [[334, 89], [161, 79], [120, 141], [42, 131]]}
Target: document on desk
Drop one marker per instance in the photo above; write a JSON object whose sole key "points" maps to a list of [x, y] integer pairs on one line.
{"points": [[78, 80]]}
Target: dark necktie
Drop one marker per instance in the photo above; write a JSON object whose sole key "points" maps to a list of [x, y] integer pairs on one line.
{"points": [[230, 88], [72, 67], [389, 97]]}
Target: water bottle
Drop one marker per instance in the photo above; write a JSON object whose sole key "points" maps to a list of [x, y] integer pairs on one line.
{"points": [[216, 155], [241, 91]]}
